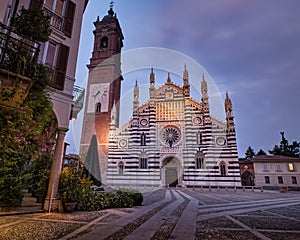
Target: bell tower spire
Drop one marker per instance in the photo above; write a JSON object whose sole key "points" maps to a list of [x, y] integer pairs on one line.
{"points": [[136, 96], [204, 93], [186, 84], [229, 114], [152, 84]]}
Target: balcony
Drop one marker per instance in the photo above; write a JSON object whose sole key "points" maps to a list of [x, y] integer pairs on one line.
{"points": [[18, 58], [56, 20], [78, 101], [17, 54]]}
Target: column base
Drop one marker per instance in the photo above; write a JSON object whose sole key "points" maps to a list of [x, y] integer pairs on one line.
{"points": [[56, 205]]}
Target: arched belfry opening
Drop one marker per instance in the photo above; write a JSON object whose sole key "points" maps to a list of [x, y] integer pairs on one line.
{"points": [[104, 42], [171, 174]]}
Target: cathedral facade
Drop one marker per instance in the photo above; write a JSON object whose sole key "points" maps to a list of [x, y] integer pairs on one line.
{"points": [[173, 140], [170, 140]]}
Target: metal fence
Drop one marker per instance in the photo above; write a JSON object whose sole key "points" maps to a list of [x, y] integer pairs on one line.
{"points": [[17, 54]]}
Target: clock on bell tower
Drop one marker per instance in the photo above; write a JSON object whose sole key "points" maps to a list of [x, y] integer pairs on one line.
{"points": [[103, 89]]}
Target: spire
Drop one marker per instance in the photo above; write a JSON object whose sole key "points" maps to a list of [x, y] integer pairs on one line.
{"points": [[136, 96], [168, 79], [152, 82], [152, 77], [185, 75], [204, 89], [229, 115], [186, 84], [228, 104]]}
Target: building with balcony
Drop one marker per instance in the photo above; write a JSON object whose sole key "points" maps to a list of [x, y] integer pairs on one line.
{"points": [[59, 55]]}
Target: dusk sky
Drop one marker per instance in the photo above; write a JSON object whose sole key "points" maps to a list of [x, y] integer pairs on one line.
{"points": [[250, 49]]}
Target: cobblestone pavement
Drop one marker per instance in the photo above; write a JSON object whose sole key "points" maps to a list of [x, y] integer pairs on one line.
{"points": [[171, 214]]}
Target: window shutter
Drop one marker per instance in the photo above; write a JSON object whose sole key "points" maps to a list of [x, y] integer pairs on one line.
{"points": [[36, 4], [61, 67], [69, 17]]}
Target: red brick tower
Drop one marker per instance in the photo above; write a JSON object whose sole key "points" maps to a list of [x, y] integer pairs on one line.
{"points": [[103, 89]]}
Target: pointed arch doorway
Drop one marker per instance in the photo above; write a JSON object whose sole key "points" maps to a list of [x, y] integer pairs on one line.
{"points": [[171, 172]]}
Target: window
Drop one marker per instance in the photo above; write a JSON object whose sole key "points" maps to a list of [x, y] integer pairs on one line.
{"points": [[200, 163], [223, 169], [55, 57], [143, 163], [143, 139], [267, 179], [265, 167], [121, 168], [98, 107], [36, 4], [199, 138], [69, 17], [50, 57], [49, 4], [294, 180], [280, 180], [277, 167], [61, 67], [291, 167], [104, 42]]}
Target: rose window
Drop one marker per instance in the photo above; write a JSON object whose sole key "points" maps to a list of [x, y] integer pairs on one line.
{"points": [[170, 135]]}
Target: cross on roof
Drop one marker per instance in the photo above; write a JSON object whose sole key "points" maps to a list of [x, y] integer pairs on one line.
{"points": [[111, 4]]}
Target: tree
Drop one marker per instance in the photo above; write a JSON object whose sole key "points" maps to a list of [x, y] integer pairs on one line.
{"points": [[249, 153], [261, 152], [286, 149], [33, 24]]}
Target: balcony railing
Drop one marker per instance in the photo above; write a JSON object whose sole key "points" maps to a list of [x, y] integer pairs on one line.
{"points": [[17, 54], [78, 100], [78, 94], [56, 20]]}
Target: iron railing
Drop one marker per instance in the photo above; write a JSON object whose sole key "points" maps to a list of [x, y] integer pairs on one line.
{"points": [[78, 101], [17, 53], [56, 20]]}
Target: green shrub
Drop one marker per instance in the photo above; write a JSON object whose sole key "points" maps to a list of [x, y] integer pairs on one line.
{"points": [[135, 195], [121, 199], [94, 201]]}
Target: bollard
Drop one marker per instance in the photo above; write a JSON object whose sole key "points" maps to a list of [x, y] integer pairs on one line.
{"points": [[201, 188], [243, 189], [261, 188], [235, 188], [218, 189], [252, 188], [226, 188]]}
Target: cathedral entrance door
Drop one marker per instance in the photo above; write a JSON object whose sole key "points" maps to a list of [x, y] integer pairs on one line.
{"points": [[171, 177], [171, 172]]}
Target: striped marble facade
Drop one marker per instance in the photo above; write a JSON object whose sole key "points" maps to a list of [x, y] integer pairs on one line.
{"points": [[173, 140]]}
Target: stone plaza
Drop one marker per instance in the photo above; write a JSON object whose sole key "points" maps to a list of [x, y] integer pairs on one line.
{"points": [[174, 213]]}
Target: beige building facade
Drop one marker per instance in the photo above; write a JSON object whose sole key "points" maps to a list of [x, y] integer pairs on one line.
{"points": [[277, 171]]}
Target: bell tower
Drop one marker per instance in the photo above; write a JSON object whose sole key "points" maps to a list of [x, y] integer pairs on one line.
{"points": [[103, 90]]}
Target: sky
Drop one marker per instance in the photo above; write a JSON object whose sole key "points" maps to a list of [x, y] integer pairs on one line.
{"points": [[250, 48]]}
